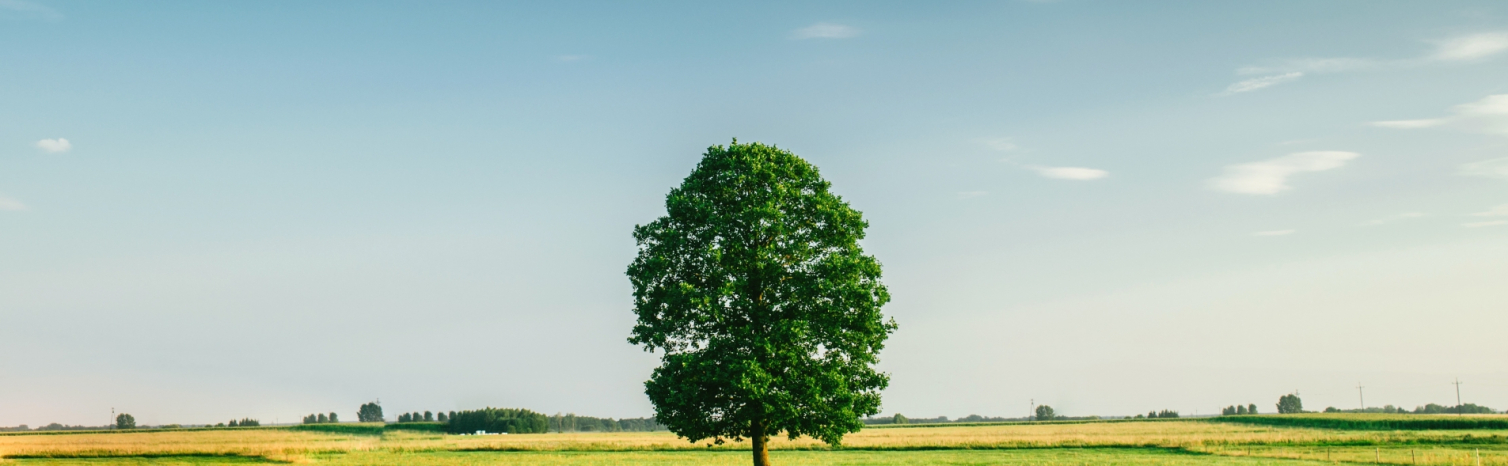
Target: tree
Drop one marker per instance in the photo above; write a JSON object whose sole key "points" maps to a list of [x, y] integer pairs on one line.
{"points": [[429, 416], [321, 419], [1290, 403], [1045, 413], [1251, 409], [333, 418], [403, 417], [1241, 409], [442, 417], [125, 421], [766, 310], [370, 412], [233, 423], [899, 419]]}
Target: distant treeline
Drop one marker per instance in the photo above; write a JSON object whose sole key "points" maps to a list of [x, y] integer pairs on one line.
{"points": [[1468, 408], [322, 419], [53, 426], [972, 418], [498, 421], [574, 423]]}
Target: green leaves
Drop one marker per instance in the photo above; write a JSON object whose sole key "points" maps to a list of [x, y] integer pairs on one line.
{"points": [[766, 309]]}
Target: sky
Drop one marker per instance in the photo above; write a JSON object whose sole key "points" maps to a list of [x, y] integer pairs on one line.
{"points": [[218, 210]]}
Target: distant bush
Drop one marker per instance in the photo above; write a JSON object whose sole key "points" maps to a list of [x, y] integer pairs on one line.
{"points": [[497, 421], [1290, 404], [1045, 413], [320, 418], [575, 423], [370, 412]]}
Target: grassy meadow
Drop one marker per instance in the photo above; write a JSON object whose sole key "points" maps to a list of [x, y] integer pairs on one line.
{"points": [[1166, 442]]}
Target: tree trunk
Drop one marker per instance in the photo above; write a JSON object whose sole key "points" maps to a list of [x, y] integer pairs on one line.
{"points": [[761, 444]]}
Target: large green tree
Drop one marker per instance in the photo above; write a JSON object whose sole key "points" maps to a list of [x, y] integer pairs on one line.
{"points": [[764, 307]]}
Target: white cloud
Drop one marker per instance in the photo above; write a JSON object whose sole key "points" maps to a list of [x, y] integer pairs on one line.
{"points": [[1071, 173], [1485, 224], [1000, 144], [1489, 115], [1261, 83], [1472, 47], [11, 204], [1492, 105], [1499, 211], [1411, 124], [1311, 65], [1274, 233], [1271, 176], [825, 31], [1394, 218], [55, 146], [26, 8], [971, 194], [1491, 168]]}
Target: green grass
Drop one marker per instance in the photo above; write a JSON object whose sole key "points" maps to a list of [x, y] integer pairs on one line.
{"points": [[1075, 456], [1373, 421]]}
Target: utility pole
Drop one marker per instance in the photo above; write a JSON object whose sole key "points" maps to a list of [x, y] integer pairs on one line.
{"points": [[1458, 396], [1032, 415], [1363, 397]]}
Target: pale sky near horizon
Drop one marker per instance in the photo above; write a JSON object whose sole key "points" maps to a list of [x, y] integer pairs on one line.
{"points": [[267, 209]]}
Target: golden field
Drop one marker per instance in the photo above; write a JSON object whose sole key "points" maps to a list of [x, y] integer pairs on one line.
{"points": [[1193, 441]]}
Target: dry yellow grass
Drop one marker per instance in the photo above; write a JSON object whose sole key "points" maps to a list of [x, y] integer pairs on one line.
{"points": [[1223, 439], [267, 443]]}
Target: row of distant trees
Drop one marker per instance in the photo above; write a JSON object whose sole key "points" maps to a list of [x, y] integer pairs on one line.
{"points": [[425, 417], [321, 418], [1468, 408], [1239, 410]]}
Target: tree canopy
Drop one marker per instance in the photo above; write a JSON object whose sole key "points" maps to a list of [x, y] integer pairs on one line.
{"points": [[1290, 404], [766, 309]]}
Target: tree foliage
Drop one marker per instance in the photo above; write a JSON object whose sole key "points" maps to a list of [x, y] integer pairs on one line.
{"points": [[766, 309], [1045, 413], [125, 421], [1290, 403], [369, 412], [498, 421]]}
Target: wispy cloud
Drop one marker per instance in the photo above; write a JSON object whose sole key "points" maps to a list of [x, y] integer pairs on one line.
{"points": [[7, 203], [1498, 211], [1466, 48], [1490, 168], [1411, 124], [1264, 82], [1490, 223], [1394, 218], [1271, 176], [1071, 173], [1489, 115], [1471, 47], [1000, 144], [55, 146], [28, 9], [971, 194], [825, 31], [1275, 233]]}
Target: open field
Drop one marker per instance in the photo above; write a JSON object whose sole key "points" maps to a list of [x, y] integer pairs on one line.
{"points": [[1118, 442]]}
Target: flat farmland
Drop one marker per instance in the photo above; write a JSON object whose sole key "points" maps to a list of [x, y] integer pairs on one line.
{"points": [[1172, 442]]}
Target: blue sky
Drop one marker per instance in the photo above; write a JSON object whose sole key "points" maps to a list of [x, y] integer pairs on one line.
{"points": [[220, 210]]}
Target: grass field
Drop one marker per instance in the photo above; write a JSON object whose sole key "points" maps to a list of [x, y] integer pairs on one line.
{"points": [[1212, 442]]}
